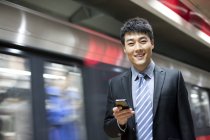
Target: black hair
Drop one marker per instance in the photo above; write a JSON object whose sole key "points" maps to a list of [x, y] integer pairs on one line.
{"points": [[136, 25]]}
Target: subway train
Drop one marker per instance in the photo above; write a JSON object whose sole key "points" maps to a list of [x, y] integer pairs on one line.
{"points": [[54, 78]]}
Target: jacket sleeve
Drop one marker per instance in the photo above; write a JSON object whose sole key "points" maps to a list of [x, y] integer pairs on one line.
{"points": [[184, 112], [110, 123]]}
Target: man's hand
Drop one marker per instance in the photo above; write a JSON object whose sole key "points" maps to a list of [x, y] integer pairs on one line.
{"points": [[122, 116]]}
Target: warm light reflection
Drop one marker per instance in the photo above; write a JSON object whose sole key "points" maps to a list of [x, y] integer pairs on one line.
{"points": [[101, 51]]}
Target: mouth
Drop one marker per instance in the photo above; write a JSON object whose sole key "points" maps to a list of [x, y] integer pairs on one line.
{"points": [[139, 56]]}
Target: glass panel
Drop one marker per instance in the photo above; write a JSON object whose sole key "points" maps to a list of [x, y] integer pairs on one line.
{"points": [[15, 99], [200, 106], [64, 102]]}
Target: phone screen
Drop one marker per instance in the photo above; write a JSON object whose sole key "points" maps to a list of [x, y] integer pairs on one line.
{"points": [[122, 102]]}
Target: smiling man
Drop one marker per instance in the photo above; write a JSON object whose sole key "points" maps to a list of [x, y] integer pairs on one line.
{"points": [[157, 97]]}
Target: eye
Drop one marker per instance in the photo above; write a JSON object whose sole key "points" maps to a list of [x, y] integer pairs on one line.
{"points": [[143, 41], [130, 44]]}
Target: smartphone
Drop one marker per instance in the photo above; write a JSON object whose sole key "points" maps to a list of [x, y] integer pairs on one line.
{"points": [[122, 102]]}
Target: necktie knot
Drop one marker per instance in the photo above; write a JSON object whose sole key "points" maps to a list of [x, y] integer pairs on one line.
{"points": [[141, 75], [141, 78]]}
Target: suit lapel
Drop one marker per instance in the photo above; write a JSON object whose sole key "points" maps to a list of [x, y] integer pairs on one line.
{"points": [[158, 84], [127, 87], [126, 82]]}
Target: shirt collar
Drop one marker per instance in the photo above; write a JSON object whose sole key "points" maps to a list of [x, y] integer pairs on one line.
{"points": [[148, 71]]}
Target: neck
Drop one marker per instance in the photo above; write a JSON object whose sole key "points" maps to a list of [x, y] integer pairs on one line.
{"points": [[141, 68]]}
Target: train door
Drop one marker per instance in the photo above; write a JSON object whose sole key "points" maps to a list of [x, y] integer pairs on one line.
{"points": [[41, 96], [58, 92], [64, 102], [15, 98]]}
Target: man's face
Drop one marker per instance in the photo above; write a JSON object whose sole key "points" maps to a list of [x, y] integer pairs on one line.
{"points": [[138, 48]]}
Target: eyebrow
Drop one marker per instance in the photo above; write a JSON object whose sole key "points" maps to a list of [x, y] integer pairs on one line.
{"points": [[131, 39]]}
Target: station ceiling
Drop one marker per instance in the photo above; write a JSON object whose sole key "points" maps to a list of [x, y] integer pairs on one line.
{"points": [[107, 16]]}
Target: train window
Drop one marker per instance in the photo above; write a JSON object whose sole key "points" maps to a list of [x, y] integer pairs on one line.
{"points": [[200, 106], [64, 102], [15, 98]]}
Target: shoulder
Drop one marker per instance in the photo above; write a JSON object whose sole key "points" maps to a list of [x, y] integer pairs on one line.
{"points": [[121, 76], [170, 75], [168, 71]]}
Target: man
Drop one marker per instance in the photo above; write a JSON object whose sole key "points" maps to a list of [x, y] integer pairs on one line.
{"points": [[158, 100]]}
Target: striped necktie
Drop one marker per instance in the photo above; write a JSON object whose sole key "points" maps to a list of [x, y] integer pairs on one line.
{"points": [[143, 110]]}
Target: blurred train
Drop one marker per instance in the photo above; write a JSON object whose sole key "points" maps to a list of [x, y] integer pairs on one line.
{"points": [[53, 78]]}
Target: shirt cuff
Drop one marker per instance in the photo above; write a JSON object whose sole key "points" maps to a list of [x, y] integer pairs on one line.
{"points": [[122, 129]]}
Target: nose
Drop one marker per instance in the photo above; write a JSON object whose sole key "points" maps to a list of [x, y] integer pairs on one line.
{"points": [[138, 46]]}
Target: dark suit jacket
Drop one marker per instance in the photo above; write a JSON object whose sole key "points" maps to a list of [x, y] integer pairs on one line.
{"points": [[172, 116]]}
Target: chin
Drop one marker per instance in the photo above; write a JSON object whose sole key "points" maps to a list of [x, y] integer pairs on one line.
{"points": [[140, 62], [137, 64]]}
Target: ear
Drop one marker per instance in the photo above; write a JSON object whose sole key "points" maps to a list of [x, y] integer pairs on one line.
{"points": [[153, 45], [124, 49]]}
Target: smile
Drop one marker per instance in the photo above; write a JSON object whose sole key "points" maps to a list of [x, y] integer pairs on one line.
{"points": [[140, 56]]}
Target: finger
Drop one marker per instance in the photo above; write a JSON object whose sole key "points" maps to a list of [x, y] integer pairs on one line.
{"points": [[123, 113], [124, 117], [115, 109], [119, 107]]}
